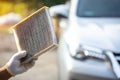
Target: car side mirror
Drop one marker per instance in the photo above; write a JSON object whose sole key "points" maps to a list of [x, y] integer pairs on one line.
{"points": [[59, 11]]}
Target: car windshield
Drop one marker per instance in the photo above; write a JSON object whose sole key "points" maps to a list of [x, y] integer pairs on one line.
{"points": [[98, 8]]}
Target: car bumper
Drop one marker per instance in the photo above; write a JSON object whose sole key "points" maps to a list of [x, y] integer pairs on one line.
{"points": [[90, 69]]}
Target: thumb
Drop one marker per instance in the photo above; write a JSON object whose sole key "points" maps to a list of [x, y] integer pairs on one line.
{"points": [[20, 55]]}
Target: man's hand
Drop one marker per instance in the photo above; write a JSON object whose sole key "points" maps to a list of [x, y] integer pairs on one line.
{"points": [[14, 65]]}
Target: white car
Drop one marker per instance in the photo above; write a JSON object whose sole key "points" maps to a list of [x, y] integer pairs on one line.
{"points": [[89, 46], [9, 19]]}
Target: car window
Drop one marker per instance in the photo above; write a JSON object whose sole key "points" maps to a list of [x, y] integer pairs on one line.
{"points": [[98, 8]]}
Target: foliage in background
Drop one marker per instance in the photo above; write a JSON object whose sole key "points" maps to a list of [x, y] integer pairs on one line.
{"points": [[7, 7], [25, 7], [36, 4], [21, 8], [4, 7]]}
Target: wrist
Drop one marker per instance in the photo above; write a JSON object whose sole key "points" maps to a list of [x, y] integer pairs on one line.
{"points": [[4, 73], [8, 70]]}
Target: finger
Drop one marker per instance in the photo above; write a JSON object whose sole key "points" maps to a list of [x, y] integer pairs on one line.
{"points": [[29, 65], [20, 55], [35, 58], [32, 62]]}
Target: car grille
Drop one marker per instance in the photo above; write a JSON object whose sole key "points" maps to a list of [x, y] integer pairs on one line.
{"points": [[117, 56]]}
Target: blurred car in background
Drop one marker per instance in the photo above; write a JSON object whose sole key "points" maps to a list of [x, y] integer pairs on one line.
{"points": [[89, 43], [62, 13], [8, 20]]}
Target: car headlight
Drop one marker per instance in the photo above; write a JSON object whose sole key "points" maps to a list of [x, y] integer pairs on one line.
{"points": [[84, 52]]}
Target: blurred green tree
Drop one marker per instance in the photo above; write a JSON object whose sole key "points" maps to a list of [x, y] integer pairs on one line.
{"points": [[36, 4], [25, 7]]}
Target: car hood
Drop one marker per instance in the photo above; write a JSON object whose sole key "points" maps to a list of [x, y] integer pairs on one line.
{"points": [[105, 36]]}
